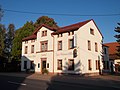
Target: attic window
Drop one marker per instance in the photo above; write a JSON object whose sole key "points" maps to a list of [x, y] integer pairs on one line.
{"points": [[60, 35], [44, 33], [26, 42], [92, 31], [70, 33]]}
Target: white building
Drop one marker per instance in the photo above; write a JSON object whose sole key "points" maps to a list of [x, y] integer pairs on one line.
{"points": [[75, 49]]}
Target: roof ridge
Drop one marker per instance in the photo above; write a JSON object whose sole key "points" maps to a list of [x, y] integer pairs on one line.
{"points": [[76, 23]]}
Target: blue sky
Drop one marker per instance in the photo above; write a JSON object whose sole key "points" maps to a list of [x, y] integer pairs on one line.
{"points": [[106, 24]]}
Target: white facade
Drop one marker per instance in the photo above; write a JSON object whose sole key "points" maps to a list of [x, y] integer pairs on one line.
{"points": [[86, 60]]}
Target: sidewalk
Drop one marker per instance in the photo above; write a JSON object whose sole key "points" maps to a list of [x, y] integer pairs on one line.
{"points": [[107, 80], [36, 76]]}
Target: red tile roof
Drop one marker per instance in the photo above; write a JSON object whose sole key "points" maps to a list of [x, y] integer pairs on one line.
{"points": [[43, 25], [112, 49], [33, 36], [69, 28]]}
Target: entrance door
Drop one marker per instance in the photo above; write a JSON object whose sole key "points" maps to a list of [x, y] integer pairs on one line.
{"points": [[43, 64]]}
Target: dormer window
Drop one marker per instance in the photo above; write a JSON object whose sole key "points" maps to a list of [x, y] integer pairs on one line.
{"points": [[32, 40], [26, 42], [92, 31], [60, 35], [71, 33], [44, 33]]}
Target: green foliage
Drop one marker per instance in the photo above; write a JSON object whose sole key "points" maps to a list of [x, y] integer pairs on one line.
{"points": [[117, 29], [21, 33], [46, 20], [2, 36], [9, 36]]}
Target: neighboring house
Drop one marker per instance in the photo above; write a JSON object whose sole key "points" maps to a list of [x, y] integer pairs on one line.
{"points": [[106, 61], [75, 49], [115, 60]]}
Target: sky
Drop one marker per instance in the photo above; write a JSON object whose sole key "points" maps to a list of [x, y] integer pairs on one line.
{"points": [[81, 9]]}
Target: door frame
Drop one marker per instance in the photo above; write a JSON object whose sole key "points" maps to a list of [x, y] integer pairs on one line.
{"points": [[43, 59]]}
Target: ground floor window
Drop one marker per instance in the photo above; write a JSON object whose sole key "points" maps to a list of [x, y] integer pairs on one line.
{"points": [[59, 65], [31, 64], [25, 64], [89, 64], [71, 64], [97, 64]]}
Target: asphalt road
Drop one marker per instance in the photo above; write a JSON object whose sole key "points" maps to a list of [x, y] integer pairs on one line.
{"points": [[20, 83], [69, 86]]}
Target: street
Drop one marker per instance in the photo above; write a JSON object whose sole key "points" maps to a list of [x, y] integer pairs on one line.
{"points": [[22, 83], [69, 86]]}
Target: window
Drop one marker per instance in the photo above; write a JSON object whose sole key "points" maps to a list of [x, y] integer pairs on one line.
{"points": [[26, 42], [32, 49], [26, 49], [68, 33], [70, 44], [106, 65], [89, 45], [60, 35], [47, 65], [32, 41], [31, 64], [44, 33], [59, 45], [70, 64], [38, 65], [72, 32], [105, 51], [96, 47], [97, 64], [44, 46], [59, 66], [92, 31], [89, 65], [25, 64]]}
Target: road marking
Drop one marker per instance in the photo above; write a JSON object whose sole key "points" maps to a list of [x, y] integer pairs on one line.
{"points": [[17, 83]]}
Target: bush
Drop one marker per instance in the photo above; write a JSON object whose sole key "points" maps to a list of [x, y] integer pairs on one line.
{"points": [[45, 71]]}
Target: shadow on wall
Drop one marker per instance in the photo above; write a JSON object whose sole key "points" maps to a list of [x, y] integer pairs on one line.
{"points": [[72, 68], [27, 65]]}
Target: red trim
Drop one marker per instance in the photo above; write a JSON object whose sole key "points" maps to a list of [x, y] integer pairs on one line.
{"points": [[69, 28], [43, 25], [30, 37]]}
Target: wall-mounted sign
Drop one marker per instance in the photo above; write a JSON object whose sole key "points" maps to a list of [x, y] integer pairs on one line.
{"points": [[64, 53]]}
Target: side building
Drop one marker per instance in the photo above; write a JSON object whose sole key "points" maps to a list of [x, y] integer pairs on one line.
{"points": [[114, 59], [75, 49]]}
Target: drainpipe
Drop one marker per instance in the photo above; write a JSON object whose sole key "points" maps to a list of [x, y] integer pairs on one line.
{"points": [[53, 52]]}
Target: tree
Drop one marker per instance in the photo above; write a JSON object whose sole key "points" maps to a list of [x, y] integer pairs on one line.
{"points": [[45, 20], [9, 36], [21, 33], [2, 36], [117, 29]]}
